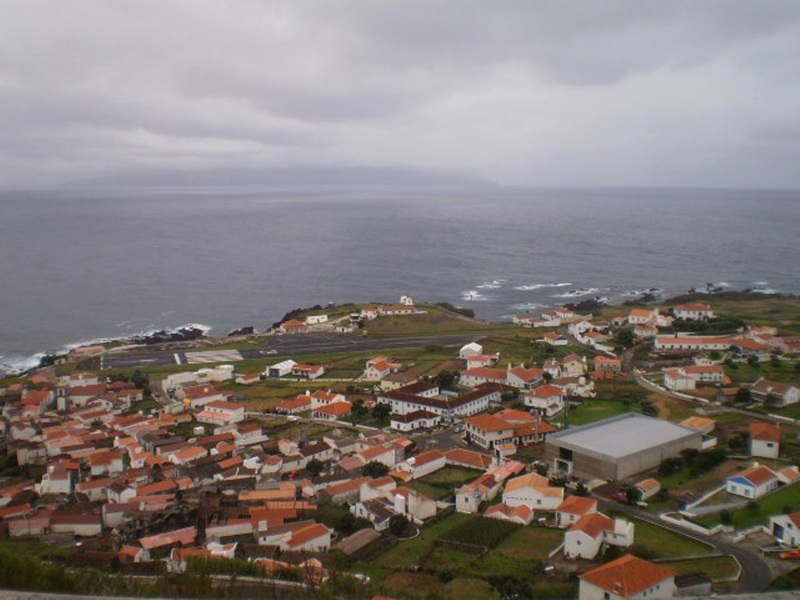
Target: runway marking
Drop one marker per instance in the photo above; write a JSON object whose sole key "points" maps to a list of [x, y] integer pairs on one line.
{"points": [[212, 356]]}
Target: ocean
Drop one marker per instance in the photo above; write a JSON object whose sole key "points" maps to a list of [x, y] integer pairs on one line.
{"points": [[79, 266]]}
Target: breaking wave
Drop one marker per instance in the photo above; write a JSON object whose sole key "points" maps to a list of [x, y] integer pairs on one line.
{"points": [[538, 286]]}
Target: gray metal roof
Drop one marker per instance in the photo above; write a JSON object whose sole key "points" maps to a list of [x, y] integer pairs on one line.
{"points": [[622, 435]]}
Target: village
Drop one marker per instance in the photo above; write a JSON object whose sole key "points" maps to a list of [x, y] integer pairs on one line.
{"points": [[645, 451]]}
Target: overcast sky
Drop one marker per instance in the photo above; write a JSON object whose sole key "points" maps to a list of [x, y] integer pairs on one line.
{"points": [[526, 93]]}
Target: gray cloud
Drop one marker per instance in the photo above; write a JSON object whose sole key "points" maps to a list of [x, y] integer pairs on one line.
{"points": [[544, 92]]}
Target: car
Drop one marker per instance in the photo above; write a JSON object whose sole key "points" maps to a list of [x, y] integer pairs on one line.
{"points": [[620, 497], [293, 475], [273, 351], [791, 554]]}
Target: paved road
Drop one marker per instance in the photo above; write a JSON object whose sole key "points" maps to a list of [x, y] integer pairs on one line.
{"points": [[292, 345], [756, 575]]}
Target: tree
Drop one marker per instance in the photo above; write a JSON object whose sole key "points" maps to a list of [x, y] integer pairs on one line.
{"points": [[445, 379], [509, 586], [314, 467], [669, 466], [753, 360], [358, 410], [398, 524], [548, 377], [375, 469], [140, 380], [633, 495], [581, 489], [776, 361], [346, 524], [772, 401], [626, 338], [542, 469], [743, 396], [648, 408], [381, 411]]}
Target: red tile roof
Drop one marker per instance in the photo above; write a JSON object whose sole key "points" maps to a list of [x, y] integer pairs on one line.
{"points": [[627, 576], [765, 432]]}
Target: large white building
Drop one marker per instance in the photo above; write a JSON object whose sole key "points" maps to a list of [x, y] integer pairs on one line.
{"points": [[639, 443]]}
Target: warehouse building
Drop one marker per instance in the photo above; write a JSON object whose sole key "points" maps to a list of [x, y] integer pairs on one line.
{"points": [[618, 447]]}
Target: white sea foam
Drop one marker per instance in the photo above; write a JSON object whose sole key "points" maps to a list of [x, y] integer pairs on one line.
{"points": [[472, 295], [634, 293], [578, 293], [18, 364], [491, 285], [537, 286], [527, 306]]}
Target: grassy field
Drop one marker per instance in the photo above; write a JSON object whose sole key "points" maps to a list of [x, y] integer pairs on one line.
{"points": [[435, 320], [442, 483], [596, 409], [716, 567], [784, 372], [531, 543], [480, 531], [662, 543], [782, 501], [755, 309], [683, 481], [518, 551], [406, 553]]}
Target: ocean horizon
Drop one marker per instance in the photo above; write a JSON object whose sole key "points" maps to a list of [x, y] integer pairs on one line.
{"points": [[101, 264]]}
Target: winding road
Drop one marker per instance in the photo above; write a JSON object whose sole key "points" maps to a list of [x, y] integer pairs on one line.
{"points": [[756, 574]]}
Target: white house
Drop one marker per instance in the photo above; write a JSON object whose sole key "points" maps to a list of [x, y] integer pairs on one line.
{"points": [[221, 413], [786, 529], [471, 349], [765, 439], [534, 491], [419, 419], [693, 312], [642, 316], [628, 577], [521, 515], [423, 464], [280, 369], [547, 400], [555, 339], [573, 508], [752, 483], [200, 395], [586, 536], [316, 319], [783, 393]]}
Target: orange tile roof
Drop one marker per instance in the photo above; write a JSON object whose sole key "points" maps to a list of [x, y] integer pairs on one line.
{"points": [[307, 534], [627, 576], [765, 432], [699, 423], [577, 505], [336, 409], [593, 524], [757, 475], [487, 372], [488, 422], [481, 461], [426, 457]]}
